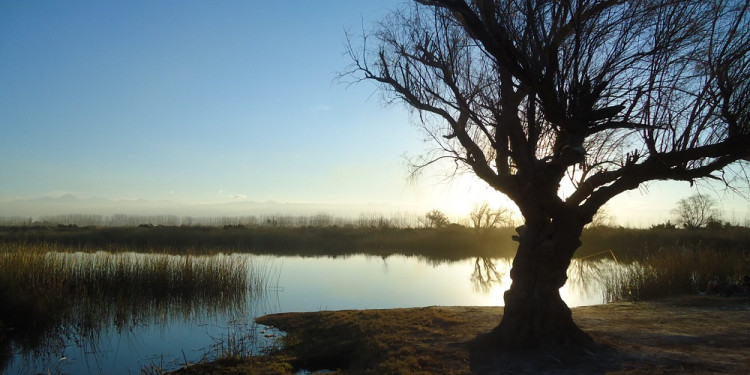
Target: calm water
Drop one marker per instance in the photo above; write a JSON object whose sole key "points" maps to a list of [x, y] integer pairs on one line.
{"points": [[298, 284]]}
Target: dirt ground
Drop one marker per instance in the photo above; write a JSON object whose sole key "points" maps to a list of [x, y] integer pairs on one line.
{"points": [[681, 335], [678, 335]]}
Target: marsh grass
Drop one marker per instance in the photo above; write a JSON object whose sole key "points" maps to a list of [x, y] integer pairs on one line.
{"points": [[453, 242], [664, 272], [240, 342], [449, 243], [630, 242], [50, 293], [244, 347]]}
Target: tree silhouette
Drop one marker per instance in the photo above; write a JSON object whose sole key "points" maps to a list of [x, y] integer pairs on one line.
{"points": [[436, 219], [483, 217], [695, 211], [611, 94]]}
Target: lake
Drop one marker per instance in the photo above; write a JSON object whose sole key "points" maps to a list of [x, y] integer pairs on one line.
{"points": [[191, 330]]}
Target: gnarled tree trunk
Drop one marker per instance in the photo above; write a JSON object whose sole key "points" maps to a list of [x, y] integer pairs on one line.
{"points": [[535, 316], [526, 93]]}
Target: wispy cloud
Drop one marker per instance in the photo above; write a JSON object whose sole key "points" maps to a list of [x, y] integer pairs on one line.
{"points": [[225, 194]]}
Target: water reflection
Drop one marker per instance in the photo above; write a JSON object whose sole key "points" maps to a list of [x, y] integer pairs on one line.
{"points": [[587, 278], [589, 281], [487, 274], [364, 282], [63, 310], [607, 279], [115, 313]]}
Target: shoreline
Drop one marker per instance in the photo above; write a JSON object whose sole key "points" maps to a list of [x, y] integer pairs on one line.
{"points": [[674, 335]]}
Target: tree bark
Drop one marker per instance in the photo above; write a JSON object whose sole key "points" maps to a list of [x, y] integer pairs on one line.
{"points": [[535, 317]]}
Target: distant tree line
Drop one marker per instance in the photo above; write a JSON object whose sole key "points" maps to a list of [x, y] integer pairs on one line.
{"points": [[365, 220], [481, 217], [694, 212]]}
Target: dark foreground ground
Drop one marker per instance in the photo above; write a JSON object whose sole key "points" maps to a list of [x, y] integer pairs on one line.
{"points": [[678, 335]]}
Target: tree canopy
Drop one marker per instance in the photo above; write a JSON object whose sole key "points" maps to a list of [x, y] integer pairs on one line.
{"points": [[612, 93], [695, 211], [609, 93]]}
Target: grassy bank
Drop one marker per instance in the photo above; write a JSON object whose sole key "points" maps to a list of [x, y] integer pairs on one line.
{"points": [[684, 334], [448, 243], [668, 272], [652, 263], [625, 242]]}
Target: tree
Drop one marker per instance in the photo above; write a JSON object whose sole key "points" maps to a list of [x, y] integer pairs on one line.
{"points": [[695, 211], [601, 219], [483, 217], [485, 274], [436, 219], [611, 94]]}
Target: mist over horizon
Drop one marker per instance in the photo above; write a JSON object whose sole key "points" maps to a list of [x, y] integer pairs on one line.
{"points": [[29, 210], [71, 204]]}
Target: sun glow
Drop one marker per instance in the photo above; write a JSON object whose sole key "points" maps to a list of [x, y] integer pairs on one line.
{"points": [[461, 194], [566, 188], [464, 192]]}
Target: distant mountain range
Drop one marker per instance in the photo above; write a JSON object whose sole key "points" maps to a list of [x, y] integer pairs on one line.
{"points": [[70, 204]]}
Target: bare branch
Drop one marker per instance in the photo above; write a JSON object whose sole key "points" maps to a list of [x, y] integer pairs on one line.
{"points": [[611, 93]]}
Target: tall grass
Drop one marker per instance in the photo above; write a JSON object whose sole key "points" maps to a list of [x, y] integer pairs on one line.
{"points": [[49, 292], [635, 242], [450, 243], [666, 271]]}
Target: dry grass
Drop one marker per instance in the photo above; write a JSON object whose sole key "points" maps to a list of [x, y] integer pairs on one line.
{"points": [[449, 243], [669, 271], [686, 334], [48, 293]]}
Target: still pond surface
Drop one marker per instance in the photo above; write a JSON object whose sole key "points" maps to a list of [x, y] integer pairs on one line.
{"points": [[171, 337]]}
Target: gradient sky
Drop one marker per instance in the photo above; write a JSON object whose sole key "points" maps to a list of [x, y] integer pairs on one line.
{"points": [[197, 101]]}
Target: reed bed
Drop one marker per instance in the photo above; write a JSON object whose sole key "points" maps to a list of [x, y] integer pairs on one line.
{"points": [[49, 293], [665, 272], [449, 243]]}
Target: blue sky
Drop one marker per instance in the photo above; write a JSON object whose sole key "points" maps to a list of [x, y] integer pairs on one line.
{"points": [[197, 101]]}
